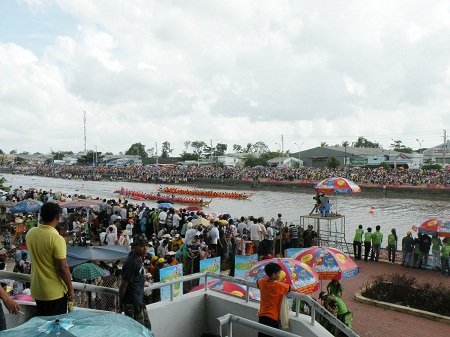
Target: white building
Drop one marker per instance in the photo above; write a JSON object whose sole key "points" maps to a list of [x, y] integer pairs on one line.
{"points": [[284, 162]]}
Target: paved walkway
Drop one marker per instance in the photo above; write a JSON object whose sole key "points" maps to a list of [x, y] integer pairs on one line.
{"points": [[378, 322]]}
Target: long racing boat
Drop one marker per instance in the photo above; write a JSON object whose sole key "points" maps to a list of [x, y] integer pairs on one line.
{"points": [[141, 196], [204, 193]]}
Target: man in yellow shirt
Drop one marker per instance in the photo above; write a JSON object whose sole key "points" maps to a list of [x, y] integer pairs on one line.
{"points": [[51, 285]]}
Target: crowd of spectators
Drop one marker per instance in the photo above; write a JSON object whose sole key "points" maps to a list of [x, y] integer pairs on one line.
{"points": [[179, 174]]}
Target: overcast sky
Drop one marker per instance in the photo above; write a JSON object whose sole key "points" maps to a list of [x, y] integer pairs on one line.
{"points": [[230, 71]]}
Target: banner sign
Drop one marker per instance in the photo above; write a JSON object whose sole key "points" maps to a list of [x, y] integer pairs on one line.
{"points": [[242, 263], [168, 274], [211, 265]]}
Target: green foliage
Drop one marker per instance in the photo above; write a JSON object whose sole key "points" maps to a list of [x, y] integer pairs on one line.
{"points": [[189, 156], [363, 142], [333, 162], [58, 156], [252, 161], [166, 150], [89, 158], [1, 151], [220, 149], [404, 290], [261, 160], [323, 144], [429, 164], [398, 146], [2, 182], [137, 149], [258, 147], [385, 165], [237, 148], [433, 166], [199, 147]]}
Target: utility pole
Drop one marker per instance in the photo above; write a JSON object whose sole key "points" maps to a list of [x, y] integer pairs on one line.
{"points": [[84, 122], [444, 149], [299, 152], [156, 153], [282, 146], [211, 154], [420, 145]]}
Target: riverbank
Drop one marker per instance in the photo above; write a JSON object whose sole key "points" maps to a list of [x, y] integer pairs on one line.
{"points": [[375, 192], [366, 191]]}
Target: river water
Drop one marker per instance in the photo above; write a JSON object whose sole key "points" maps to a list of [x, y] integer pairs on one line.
{"points": [[389, 213]]}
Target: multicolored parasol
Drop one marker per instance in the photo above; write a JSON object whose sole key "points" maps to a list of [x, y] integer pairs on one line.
{"points": [[329, 263], [434, 226], [304, 279], [230, 288], [337, 185]]}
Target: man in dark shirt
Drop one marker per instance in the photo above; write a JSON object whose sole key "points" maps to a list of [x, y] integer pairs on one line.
{"points": [[131, 292], [424, 250], [308, 236]]}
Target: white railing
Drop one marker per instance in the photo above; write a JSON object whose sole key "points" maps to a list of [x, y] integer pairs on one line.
{"points": [[315, 307], [229, 319]]}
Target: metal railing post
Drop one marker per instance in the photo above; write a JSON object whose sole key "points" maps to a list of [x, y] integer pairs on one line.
{"points": [[230, 328], [313, 315]]}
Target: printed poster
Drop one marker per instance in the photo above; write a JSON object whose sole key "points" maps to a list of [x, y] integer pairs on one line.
{"points": [[211, 265], [288, 252], [242, 263], [168, 274]]}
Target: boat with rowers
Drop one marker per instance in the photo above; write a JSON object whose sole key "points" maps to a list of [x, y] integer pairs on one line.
{"points": [[141, 196], [206, 193]]}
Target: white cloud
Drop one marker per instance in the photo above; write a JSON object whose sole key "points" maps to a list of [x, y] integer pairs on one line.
{"points": [[234, 72]]}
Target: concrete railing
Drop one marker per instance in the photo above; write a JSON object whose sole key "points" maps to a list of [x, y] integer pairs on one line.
{"points": [[229, 319], [315, 307]]}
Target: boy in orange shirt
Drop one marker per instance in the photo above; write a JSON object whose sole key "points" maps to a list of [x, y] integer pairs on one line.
{"points": [[272, 293]]}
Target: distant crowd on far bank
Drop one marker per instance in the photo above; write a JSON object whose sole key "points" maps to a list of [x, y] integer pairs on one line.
{"points": [[181, 174]]}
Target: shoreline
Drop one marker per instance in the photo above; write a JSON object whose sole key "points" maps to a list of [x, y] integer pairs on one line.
{"points": [[285, 186]]}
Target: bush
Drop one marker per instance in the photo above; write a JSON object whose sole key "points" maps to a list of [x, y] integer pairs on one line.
{"points": [[404, 290]]}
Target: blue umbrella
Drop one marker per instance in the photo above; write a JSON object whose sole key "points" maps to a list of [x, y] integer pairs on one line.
{"points": [[80, 323], [101, 253], [27, 206], [165, 205]]}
